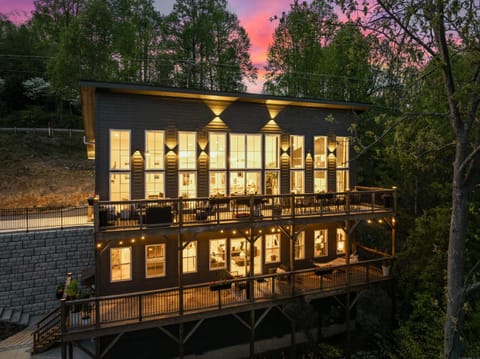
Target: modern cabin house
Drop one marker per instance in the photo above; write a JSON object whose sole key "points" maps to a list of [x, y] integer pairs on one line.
{"points": [[213, 205]]}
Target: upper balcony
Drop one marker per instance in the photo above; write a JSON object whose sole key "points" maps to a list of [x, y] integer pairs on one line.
{"points": [[191, 213]]}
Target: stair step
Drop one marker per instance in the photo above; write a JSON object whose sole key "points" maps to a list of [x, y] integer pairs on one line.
{"points": [[24, 319], [6, 315]]}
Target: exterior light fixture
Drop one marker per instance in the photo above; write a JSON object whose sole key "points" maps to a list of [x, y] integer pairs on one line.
{"points": [[121, 242]]}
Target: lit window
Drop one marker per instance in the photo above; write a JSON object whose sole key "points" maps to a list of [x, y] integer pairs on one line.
{"points": [[340, 241], [320, 181], [119, 149], [320, 243], [217, 150], [342, 180], [154, 185], [217, 253], [187, 184], [296, 182], [300, 246], [296, 151], [119, 186], [237, 151], [155, 260], [254, 151], [320, 152], [272, 182], [217, 183], [190, 257], [272, 248], [245, 151], [121, 264], [187, 150], [272, 151], [342, 152], [154, 150]]}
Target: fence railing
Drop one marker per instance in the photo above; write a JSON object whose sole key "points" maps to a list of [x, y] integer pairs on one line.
{"points": [[27, 219], [131, 308], [216, 210]]}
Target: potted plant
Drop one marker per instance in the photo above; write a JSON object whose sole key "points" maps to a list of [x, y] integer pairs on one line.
{"points": [[72, 291], [60, 290], [86, 307]]}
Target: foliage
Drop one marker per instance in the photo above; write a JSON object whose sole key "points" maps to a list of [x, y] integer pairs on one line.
{"points": [[36, 87], [73, 289]]}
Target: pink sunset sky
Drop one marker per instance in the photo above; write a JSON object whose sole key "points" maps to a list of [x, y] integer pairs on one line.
{"points": [[253, 14]]}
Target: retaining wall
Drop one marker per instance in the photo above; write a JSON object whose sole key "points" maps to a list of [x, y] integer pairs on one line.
{"points": [[33, 264]]}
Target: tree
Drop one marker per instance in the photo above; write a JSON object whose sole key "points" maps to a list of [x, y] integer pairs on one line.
{"points": [[208, 46], [440, 31]]}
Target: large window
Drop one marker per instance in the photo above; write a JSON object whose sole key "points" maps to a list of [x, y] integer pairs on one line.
{"points": [[342, 164], [218, 186], [154, 185], [320, 181], [190, 257], [300, 246], [120, 264], [242, 182], [119, 149], [272, 151], [296, 182], [187, 184], [296, 151], [217, 149], [155, 260], [217, 254], [340, 241], [154, 150], [320, 152], [272, 182], [272, 248], [119, 165], [187, 150], [320, 243], [119, 186], [237, 151]]}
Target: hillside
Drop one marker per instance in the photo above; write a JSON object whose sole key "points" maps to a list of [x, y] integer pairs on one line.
{"points": [[37, 170]]}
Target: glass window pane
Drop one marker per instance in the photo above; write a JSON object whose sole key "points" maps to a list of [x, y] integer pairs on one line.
{"points": [[296, 151], [119, 149], [254, 151], [320, 243], [217, 183], [340, 241], [320, 181], [296, 182], [342, 152], [217, 254], [120, 262], [300, 246], [272, 248], [119, 186], [154, 185], [217, 149], [187, 150], [154, 150], [190, 257], [237, 183], [320, 152], [237, 151], [187, 184], [254, 184], [155, 260], [272, 151], [342, 180], [272, 182]]}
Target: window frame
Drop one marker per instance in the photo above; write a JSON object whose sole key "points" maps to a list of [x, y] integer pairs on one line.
{"points": [[162, 259], [120, 264], [317, 233], [218, 242], [187, 156], [195, 258], [272, 248], [154, 154]]}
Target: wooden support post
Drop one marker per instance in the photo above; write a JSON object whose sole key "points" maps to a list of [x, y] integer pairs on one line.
{"points": [[293, 349], [180, 273], [252, 334], [348, 340], [180, 340]]}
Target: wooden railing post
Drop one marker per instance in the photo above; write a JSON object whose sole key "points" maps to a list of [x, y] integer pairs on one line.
{"points": [[140, 308]]}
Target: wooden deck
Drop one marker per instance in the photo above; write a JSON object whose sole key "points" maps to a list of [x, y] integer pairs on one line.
{"points": [[134, 311]]}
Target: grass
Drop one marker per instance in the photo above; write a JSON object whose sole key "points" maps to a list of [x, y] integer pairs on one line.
{"points": [[41, 171]]}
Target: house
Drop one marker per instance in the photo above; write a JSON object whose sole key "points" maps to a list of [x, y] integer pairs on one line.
{"points": [[214, 204]]}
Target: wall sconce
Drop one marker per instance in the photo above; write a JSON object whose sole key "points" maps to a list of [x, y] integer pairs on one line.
{"points": [[203, 154], [171, 153]]}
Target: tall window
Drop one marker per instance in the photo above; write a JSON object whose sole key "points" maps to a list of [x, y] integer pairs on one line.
{"points": [[187, 150], [119, 186], [237, 151], [154, 150], [119, 150], [217, 149], [254, 151], [245, 154], [218, 186], [272, 248], [187, 184], [296, 182], [342, 164], [120, 264], [320, 181], [217, 253], [272, 182], [155, 260], [154, 184], [119, 165], [190, 257], [320, 152], [340, 241], [272, 151], [296, 151], [320, 243], [300, 246]]}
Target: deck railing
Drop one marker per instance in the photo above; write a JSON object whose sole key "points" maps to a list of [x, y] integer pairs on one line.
{"points": [[216, 210], [27, 219], [101, 312]]}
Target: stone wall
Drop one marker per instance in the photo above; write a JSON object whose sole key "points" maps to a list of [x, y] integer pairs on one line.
{"points": [[33, 264]]}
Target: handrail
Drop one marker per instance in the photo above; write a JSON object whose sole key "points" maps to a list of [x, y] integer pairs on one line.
{"points": [[47, 329]]}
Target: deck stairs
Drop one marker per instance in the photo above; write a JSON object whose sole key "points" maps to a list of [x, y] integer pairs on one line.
{"points": [[47, 332]]}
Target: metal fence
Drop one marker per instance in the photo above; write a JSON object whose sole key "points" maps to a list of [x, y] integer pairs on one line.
{"points": [[27, 219]]}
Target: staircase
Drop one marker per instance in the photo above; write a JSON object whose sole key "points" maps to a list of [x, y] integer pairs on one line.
{"points": [[48, 331]]}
